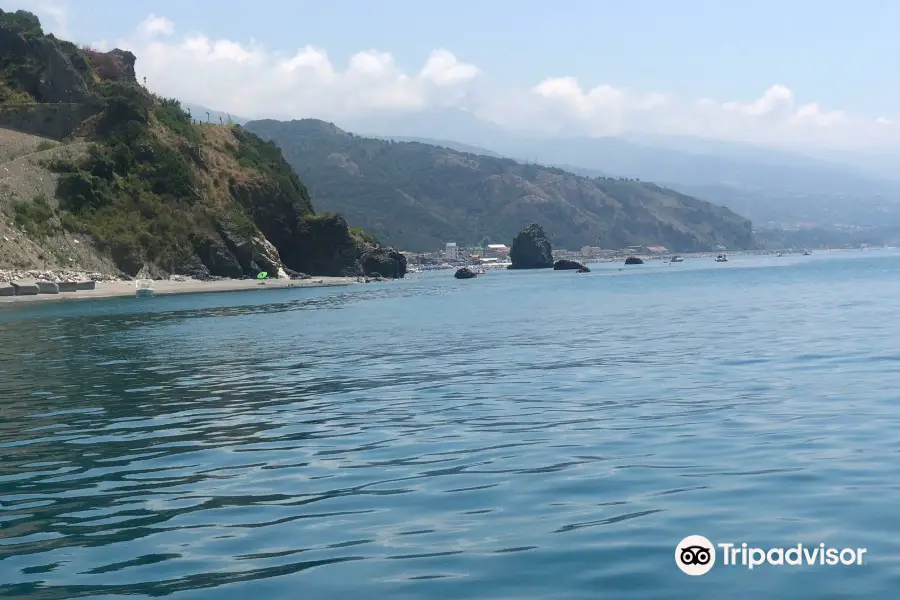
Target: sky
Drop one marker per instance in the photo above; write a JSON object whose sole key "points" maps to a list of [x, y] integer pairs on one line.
{"points": [[789, 73]]}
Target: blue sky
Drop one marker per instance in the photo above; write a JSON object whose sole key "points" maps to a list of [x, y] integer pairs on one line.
{"points": [[836, 53], [834, 56]]}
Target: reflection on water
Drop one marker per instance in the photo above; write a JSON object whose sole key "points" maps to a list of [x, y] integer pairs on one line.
{"points": [[521, 435]]}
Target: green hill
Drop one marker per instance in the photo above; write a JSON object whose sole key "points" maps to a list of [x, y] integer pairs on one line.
{"points": [[419, 196], [150, 189]]}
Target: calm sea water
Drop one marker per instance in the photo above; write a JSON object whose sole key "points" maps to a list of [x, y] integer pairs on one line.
{"points": [[521, 435]]}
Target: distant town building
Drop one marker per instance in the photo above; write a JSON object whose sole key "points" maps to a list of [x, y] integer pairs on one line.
{"points": [[451, 251], [500, 251]]}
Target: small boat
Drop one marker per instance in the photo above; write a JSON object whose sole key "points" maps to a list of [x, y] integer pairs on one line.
{"points": [[721, 258], [807, 253], [143, 288], [677, 259]]}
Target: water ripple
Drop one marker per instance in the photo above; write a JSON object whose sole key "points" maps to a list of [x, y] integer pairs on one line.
{"points": [[427, 439]]}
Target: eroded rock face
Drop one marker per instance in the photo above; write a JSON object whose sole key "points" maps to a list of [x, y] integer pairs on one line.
{"points": [[253, 252], [58, 78], [193, 267], [217, 258], [387, 262], [531, 249], [115, 65], [322, 246]]}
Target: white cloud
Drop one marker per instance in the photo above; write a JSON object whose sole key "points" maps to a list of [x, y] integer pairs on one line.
{"points": [[154, 25], [248, 79]]}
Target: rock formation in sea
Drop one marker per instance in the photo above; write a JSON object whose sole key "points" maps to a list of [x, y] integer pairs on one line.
{"points": [[567, 265], [531, 249]]}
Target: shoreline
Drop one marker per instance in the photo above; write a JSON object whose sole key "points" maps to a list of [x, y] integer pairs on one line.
{"points": [[126, 289]]}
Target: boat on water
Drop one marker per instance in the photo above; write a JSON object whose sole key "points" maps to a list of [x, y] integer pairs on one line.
{"points": [[143, 288], [676, 259], [721, 258], [807, 253]]}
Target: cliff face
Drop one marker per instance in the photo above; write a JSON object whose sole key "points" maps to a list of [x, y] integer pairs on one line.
{"points": [[156, 192], [39, 67]]}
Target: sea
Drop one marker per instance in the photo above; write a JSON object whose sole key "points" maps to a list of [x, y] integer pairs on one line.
{"points": [[521, 435]]}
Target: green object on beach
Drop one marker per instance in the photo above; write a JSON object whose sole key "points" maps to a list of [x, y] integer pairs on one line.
{"points": [[262, 275]]}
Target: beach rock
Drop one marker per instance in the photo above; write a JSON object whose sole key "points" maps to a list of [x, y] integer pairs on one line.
{"points": [[465, 273], [191, 266], [218, 259], [7, 289], [567, 265], [67, 286], [151, 271], [633, 260], [25, 287], [583, 269], [531, 249], [86, 285], [385, 262], [47, 287], [296, 274]]}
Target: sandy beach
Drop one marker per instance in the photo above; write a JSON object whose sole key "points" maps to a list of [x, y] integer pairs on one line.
{"points": [[115, 289]]}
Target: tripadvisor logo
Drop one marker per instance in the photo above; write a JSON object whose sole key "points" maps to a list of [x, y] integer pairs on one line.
{"points": [[696, 555]]}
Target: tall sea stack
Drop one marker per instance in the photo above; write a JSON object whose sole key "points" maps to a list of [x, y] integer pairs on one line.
{"points": [[531, 249]]}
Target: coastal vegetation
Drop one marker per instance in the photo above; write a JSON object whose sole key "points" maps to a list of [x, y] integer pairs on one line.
{"points": [[156, 191], [419, 196]]}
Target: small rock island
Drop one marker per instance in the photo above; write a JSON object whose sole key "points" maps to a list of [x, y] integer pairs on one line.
{"points": [[633, 260], [465, 273], [531, 249], [569, 265]]}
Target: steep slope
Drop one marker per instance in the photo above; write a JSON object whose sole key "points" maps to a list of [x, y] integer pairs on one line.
{"points": [[147, 188], [418, 196], [27, 188]]}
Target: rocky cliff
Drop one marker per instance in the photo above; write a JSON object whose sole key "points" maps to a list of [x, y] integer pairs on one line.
{"points": [[150, 190]]}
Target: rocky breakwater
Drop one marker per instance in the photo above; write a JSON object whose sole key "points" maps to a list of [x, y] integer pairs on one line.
{"points": [[531, 249]]}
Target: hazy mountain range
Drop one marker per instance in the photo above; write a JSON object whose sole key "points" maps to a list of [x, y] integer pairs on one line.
{"points": [[773, 188], [419, 196]]}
